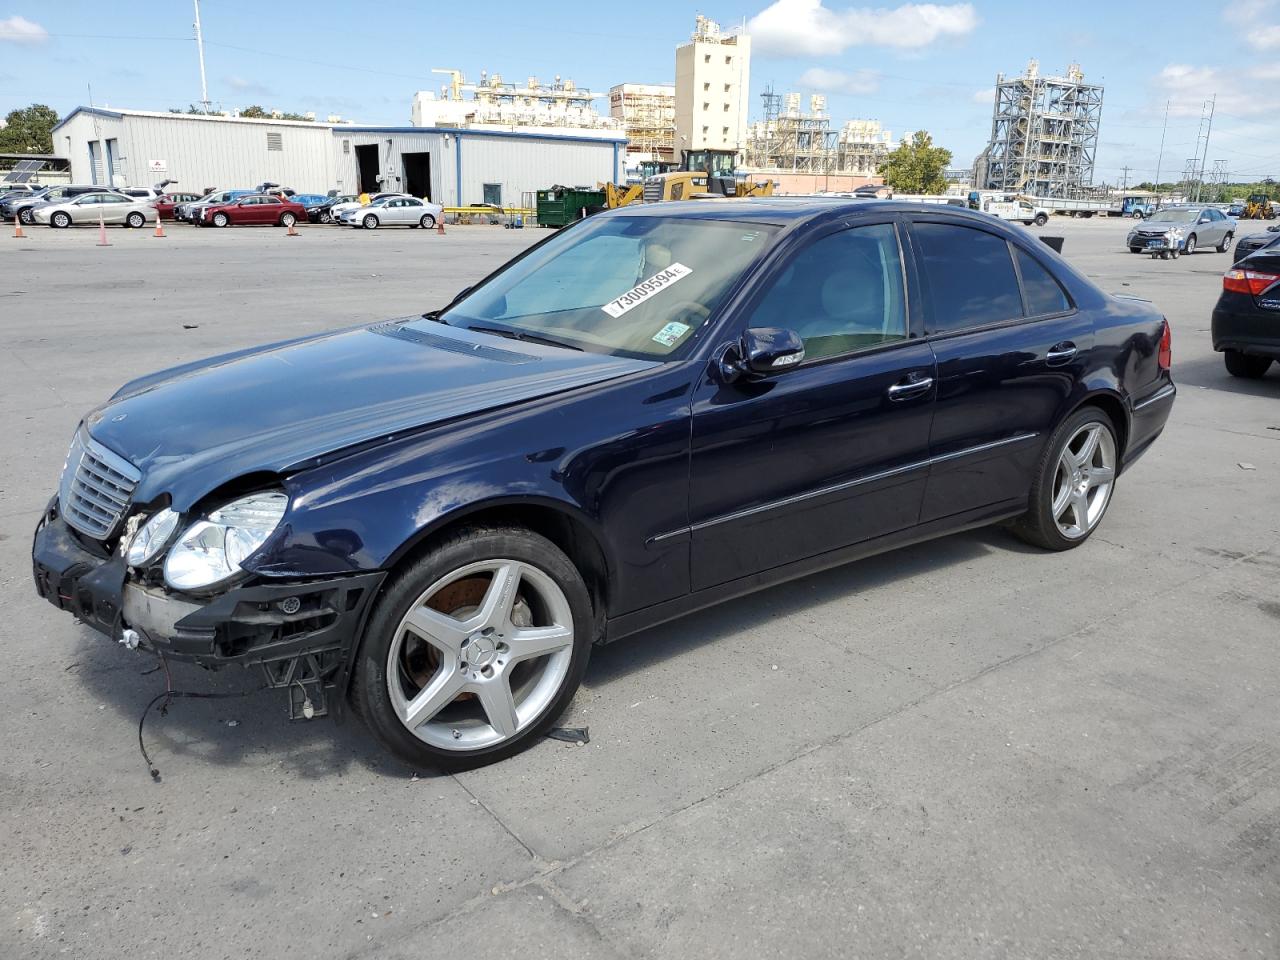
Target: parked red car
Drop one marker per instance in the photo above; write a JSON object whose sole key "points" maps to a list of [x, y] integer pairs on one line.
{"points": [[259, 208], [166, 203]]}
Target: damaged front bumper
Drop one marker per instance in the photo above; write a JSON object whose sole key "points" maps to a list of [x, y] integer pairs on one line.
{"points": [[302, 632]]}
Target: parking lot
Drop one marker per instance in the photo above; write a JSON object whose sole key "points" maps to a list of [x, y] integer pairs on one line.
{"points": [[969, 748]]}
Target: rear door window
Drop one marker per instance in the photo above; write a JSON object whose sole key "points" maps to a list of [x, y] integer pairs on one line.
{"points": [[969, 275], [1043, 293]]}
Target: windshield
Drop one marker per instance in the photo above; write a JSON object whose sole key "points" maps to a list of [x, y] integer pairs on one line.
{"points": [[627, 286], [1178, 216]]}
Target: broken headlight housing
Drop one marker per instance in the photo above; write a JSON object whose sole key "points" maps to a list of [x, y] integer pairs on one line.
{"points": [[151, 538], [211, 550]]}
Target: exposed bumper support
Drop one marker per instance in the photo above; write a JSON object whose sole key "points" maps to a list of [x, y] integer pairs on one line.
{"points": [[258, 623]]}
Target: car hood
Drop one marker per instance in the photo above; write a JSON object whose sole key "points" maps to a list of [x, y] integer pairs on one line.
{"points": [[1163, 225], [282, 407]]}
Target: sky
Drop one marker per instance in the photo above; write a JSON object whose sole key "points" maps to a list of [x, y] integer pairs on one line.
{"points": [[913, 66]]}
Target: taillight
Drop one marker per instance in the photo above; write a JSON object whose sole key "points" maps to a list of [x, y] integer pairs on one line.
{"points": [[1251, 282], [1165, 356]]}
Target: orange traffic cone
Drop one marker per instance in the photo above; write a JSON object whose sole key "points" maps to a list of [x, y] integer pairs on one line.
{"points": [[17, 229], [440, 224], [159, 226]]}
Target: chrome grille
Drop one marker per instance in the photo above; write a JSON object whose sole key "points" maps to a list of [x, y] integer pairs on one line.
{"points": [[96, 487]]}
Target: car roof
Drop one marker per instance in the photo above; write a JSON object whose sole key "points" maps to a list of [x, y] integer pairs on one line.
{"points": [[789, 211]]}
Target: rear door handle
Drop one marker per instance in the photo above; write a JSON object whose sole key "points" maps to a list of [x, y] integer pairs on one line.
{"points": [[1060, 353], [910, 388]]}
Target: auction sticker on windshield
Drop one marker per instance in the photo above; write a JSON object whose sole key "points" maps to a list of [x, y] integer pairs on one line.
{"points": [[645, 289]]}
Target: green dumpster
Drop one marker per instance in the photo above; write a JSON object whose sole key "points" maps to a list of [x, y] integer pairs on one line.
{"points": [[561, 205]]}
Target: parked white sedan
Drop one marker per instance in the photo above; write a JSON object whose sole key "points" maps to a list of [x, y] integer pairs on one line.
{"points": [[87, 207], [394, 212]]}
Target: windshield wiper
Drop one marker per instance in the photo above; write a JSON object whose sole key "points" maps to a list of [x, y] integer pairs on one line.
{"points": [[526, 337]]}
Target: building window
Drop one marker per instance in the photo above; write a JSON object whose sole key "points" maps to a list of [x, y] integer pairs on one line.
{"points": [[726, 88], [724, 131], [492, 193], [728, 61], [706, 86], [704, 131], [274, 142], [706, 106], [706, 58], [726, 108], [346, 146]]}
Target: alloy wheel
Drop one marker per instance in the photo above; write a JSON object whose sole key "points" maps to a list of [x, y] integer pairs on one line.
{"points": [[1084, 479], [480, 655]]}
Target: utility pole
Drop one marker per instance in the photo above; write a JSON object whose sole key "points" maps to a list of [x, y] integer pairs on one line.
{"points": [[1125, 188], [204, 87], [1206, 124], [1160, 158]]}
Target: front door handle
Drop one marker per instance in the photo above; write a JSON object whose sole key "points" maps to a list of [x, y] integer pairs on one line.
{"points": [[1060, 353], [910, 388]]}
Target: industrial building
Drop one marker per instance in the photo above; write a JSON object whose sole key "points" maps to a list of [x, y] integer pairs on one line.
{"points": [[452, 166], [713, 77], [647, 112], [792, 140], [1044, 135], [498, 105]]}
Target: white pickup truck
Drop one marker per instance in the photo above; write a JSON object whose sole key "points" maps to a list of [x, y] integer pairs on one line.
{"points": [[1019, 210]]}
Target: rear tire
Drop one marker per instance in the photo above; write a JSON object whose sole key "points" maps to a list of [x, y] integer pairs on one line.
{"points": [[1244, 366], [136, 220], [1068, 462], [397, 662], [26, 216]]}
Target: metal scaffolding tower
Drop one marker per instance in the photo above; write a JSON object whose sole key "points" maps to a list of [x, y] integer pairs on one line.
{"points": [[794, 141], [1044, 134]]}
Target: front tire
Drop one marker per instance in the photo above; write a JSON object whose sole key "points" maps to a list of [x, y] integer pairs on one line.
{"points": [[221, 220], [370, 222], [287, 219], [475, 649], [60, 220], [1041, 219], [1073, 484], [1190, 246], [1245, 366], [1226, 243]]}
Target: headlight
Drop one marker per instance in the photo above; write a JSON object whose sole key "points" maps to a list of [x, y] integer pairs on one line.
{"points": [[211, 550], [151, 538]]}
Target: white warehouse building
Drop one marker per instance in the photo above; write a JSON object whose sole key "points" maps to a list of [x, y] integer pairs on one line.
{"points": [[453, 167]]}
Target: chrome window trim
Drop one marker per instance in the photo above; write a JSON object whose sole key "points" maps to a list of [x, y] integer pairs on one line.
{"points": [[838, 487]]}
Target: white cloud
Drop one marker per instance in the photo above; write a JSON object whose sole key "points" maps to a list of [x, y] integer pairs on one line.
{"points": [[837, 81], [1251, 17], [241, 85], [21, 30], [806, 28], [985, 97], [1241, 91]]}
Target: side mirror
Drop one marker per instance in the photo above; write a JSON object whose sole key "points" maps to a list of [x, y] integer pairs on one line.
{"points": [[762, 352]]}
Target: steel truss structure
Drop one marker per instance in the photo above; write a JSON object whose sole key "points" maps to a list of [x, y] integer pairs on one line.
{"points": [[1044, 135]]}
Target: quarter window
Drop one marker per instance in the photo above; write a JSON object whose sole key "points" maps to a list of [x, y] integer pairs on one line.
{"points": [[970, 277], [841, 293], [1042, 292]]}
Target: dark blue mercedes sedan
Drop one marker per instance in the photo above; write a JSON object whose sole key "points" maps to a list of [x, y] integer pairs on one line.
{"points": [[660, 408]]}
